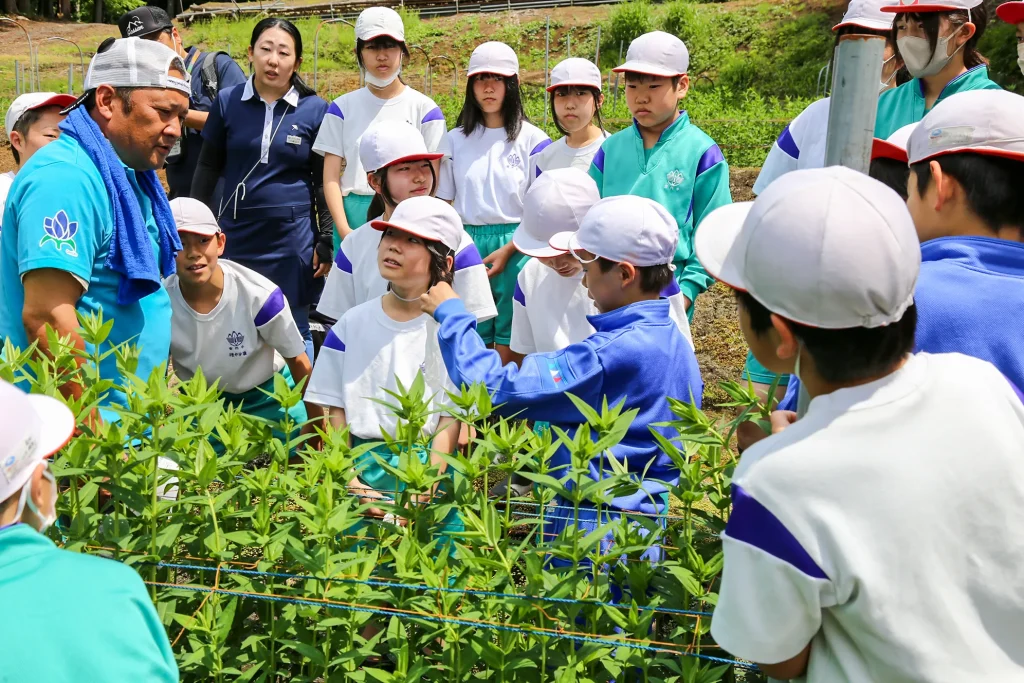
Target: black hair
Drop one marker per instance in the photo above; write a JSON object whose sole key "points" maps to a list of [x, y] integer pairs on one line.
{"points": [[652, 278], [21, 126], [512, 112], [637, 77], [289, 28], [845, 355], [891, 172], [439, 270], [381, 43], [123, 94], [930, 22], [564, 91], [991, 184], [381, 200]]}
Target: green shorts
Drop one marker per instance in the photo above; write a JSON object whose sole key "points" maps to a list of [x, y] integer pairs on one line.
{"points": [[756, 372], [255, 402], [356, 206], [488, 239]]}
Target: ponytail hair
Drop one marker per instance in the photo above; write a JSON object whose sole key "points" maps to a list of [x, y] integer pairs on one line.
{"points": [[381, 200], [288, 27]]}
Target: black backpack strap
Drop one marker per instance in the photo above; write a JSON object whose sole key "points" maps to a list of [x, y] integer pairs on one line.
{"points": [[208, 72]]}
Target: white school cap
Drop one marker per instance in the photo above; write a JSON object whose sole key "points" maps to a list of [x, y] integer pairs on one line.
{"points": [[32, 428], [624, 229], [33, 100], [895, 146], [575, 71], [914, 6], [374, 22], [556, 202], [657, 54], [866, 14], [386, 144], [493, 57], [1011, 12], [191, 215], [987, 122], [427, 217], [826, 247]]}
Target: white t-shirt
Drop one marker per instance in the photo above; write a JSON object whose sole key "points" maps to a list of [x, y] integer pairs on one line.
{"points": [[560, 155], [243, 341], [360, 359], [549, 312], [486, 174], [801, 145], [350, 115], [885, 526], [356, 277], [6, 180]]}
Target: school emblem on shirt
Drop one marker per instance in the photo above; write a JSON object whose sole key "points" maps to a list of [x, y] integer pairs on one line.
{"points": [[235, 341], [673, 179], [61, 232], [513, 160]]}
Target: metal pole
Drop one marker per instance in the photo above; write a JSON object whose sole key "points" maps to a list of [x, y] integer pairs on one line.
{"points": [[31, 50], [568, 45], [71, 79], [597, 49], [17, 79], [81, 58], [547, 55], [316, 45]]}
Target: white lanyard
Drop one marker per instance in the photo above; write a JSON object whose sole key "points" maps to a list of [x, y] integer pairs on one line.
{"points": [[241, 186]]}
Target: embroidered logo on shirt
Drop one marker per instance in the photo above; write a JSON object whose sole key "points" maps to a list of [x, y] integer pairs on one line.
{"points": [[61, 231], [235, 340], [673, 179], [513, 160]]}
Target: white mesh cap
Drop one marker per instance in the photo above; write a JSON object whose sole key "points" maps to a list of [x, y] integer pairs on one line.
{"points": [[136, 63]]}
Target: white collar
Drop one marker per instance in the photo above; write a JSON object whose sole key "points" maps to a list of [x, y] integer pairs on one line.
{"points": [[248, 92]]}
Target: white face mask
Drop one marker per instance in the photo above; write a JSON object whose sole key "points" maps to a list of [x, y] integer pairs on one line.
{"points": [[883, 85], [47, 520], [920, 59], [1020, 56], [380, 82]]}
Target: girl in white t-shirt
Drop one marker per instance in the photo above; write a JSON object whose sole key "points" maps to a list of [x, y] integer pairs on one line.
{"points": [[486, 173], [388, 340], [398, 167], [380, 47], [576, 100]]}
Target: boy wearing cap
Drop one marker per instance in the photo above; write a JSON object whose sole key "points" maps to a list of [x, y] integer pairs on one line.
{"points": [[229, 321], [1013, 13], [859, 547], [32, 122], [67, 616], [636, 354], [663, 156]]}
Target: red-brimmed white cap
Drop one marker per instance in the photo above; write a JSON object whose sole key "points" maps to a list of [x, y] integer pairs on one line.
{"points": [[624, 229], [914, 6], [978, 121], [191, 215], [866, 14], [32, 428], [556, 202], [1011, 12], [826, 247], [386, 144], [33, 100], [493, 57], [374, 22], [895, 146], [656, 54], [429, 218], [575, 71]]}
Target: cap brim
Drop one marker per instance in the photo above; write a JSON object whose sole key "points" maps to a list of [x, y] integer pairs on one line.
{"points": [[384, 225], [62, 101], [78, 102], [914, 9], [552, 88], [392, 36], [530, 246], [430, 156], [506, 73], [647, 68], [562, 241], [883, 149], [714, 241], [865, 24], [985, 151], [207, 230], [1011, 12], [58, 424]]}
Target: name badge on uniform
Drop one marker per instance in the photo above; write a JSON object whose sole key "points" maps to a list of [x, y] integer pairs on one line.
{"points": [[293, 140]]}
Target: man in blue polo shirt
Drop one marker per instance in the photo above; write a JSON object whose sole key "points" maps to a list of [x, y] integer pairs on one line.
{"points": [[210, 73], [87, 227]]}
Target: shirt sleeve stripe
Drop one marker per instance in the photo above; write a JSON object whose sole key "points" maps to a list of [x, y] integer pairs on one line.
{"points": [[598, 161], [342, 262], [468, 257], [1016, 389], [754, 524], [711, 156], [540, 146], [787, 144], [671, 289], [433, 115], [332, 342], [538, 172], [519, 295], [335, 110], [271, 308]]}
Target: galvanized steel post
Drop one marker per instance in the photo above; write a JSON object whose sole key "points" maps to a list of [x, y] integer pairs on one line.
{"points": [[316, 46], [597, 49], [547, 55]]}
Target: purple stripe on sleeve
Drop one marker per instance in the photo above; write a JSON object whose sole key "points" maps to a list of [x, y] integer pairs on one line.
{"points": [[433, 115], [598, 161], [332, 342], [540, 146], [537, 174], [787, 144], [671, 289], [519, 295], [271, 307], [1016, 390], [342, 262], [335, 110], [467, 258], [711, 156], [689, 212], [754, 524]]}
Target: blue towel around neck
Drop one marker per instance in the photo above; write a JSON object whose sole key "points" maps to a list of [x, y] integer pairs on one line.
{"points": [[131, 253]]}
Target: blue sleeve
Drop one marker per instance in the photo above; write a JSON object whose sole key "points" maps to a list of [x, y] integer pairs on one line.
{"points": [[214, 131], [597, 170], [537, 390], [789, 401], [228, 72]]}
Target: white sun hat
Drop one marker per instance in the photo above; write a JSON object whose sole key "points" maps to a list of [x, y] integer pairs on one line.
{"points": [[33, 100], [191, 215], [624, 229], [866, 14], [914, 6], [374, 22], [388, 143], [826, 247], [989, 122], [427, 217], [32, 428], [493, 57], [656, 54], [575, 71], [556, 202]]}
